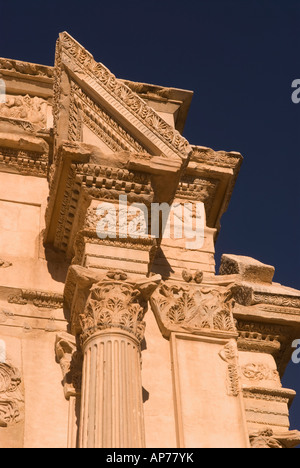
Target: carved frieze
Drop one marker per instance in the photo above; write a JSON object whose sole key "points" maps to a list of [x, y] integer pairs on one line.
{"points": [[195, 188], [39, 299], [267, 335], [247, 295], [257, 372], [26, 108], [25, 68], [206, 155]]}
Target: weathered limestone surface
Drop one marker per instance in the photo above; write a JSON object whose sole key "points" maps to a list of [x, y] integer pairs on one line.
{"points": [[123, 340]]}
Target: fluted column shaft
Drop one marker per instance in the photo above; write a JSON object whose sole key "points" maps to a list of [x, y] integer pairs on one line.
{"points": [[112, 406], [112, 329]]}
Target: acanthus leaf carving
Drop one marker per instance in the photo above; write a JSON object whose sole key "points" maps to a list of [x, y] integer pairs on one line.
{"points": [[114, 304], [109, 301], [194, 308]]}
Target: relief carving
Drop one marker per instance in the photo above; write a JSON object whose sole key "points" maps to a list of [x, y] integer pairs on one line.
{"points": [[113, 305], [70, 360], [229, 355], [11, 398], [257, 372], [43, 300], [194, 308], [267, 438], [85, 110], [189, 277], [25, 108]]}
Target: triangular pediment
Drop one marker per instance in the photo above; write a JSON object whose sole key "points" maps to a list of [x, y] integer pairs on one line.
{"points": [[91, 104]]}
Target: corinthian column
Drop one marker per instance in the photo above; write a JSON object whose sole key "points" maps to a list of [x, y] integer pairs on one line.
{"points": [[111, 330]]}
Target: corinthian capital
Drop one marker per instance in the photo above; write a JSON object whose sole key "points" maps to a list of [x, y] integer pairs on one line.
{"points": [[113, 304], [108, 301], [193, 309]]}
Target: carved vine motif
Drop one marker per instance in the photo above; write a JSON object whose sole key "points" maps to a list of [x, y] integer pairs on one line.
{"points": [[25, 108], [276, 299], [57, 72], [229, 355], [114, 305], [195, 308], [40, 299], [10, 395]]}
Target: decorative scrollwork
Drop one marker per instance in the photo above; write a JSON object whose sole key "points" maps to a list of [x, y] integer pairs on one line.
{"points": [[10, 395]]}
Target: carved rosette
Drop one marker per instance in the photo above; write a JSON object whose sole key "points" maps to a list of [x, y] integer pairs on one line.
{"points": [[190, 308], [114, 304]]}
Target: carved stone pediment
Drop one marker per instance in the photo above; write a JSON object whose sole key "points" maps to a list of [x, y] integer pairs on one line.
{"points": [[114, 97], [98, 118]]}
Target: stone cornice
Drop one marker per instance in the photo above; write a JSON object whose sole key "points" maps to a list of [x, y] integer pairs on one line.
{"points": [[19, 68], [76, 181], [40, 299], [222, 168]]}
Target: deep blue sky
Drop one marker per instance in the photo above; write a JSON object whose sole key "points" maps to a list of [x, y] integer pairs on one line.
{"points": [[240, 58]]}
